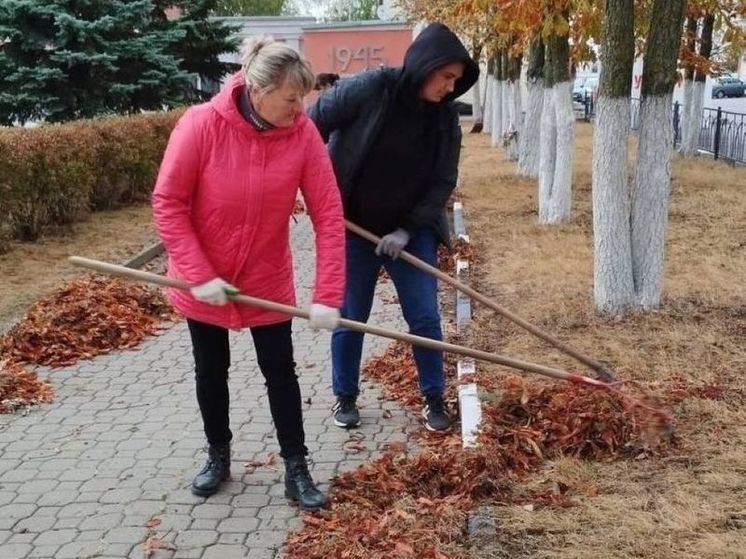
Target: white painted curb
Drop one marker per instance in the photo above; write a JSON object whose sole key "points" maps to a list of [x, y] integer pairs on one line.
{"points": [[470, 408]]}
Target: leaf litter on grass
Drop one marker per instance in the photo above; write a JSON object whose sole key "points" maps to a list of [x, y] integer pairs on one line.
{"points": [[404, 505]]}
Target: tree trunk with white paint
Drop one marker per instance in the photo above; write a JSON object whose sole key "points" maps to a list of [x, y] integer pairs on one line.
{"points": [[506, 94], [686, 117], [695, 119], [497, 104], [613, 290], [488, 87], [690, 34], [690, 141], [515, 129], [476, 105], [555, 175], [649, 211], [529, 140], [561, 200], [547, 154], [476, 94]]}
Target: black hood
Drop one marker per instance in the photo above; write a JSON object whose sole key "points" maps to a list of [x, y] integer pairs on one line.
{"points": [[434, 47]]}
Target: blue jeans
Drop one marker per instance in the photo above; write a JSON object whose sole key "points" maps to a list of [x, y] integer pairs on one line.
{"points": [[417, 291]]}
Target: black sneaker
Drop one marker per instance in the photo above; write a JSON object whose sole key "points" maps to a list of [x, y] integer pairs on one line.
{"points": [[434, 413], [345, 411]]}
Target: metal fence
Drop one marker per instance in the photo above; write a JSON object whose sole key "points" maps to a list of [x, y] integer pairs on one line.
{"points": [[721, 133]]}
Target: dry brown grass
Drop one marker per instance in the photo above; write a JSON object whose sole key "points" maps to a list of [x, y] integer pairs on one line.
{"points": [[692, 505], [30, 270]]}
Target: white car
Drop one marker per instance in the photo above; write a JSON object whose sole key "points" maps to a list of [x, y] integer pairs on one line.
{"points": [[584, 86]]}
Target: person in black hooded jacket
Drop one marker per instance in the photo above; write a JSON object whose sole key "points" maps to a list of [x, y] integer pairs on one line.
{"points": [[394, 139]]}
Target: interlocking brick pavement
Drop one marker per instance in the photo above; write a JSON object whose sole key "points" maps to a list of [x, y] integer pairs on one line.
{"points": [[119, 445]]}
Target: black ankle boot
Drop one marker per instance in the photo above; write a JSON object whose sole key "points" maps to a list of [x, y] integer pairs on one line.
{"points": [[299, 486], [216, 470]]}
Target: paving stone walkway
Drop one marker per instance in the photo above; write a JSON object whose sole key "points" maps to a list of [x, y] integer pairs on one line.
{"points": [[82, 476]]}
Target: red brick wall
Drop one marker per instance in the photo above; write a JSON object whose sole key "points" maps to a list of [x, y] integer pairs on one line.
{"points": [[346, 52]]}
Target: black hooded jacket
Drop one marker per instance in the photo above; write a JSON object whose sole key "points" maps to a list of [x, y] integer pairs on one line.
{"points": [[395, 156]]}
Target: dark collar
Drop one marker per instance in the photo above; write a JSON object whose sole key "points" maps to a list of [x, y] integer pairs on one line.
{"points": [[247, 110]]}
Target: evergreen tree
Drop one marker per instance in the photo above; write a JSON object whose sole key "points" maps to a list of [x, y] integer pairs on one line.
{"points": [[204, 40], [67, 59], [251, 7], [351, 10]]}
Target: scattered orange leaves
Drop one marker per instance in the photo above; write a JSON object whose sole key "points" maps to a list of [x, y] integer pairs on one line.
{"points": [[395, 371], [354, 446], [269, 462], [154, 542], [153, 522], [678, 389]]}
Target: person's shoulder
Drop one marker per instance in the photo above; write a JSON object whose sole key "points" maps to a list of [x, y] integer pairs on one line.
{"points": [[305, 126], [198, 116], [372, 81]]}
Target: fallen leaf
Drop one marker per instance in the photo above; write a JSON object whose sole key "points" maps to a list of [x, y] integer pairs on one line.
{"points": [[404, 548], [395, 446], [354, 446]]}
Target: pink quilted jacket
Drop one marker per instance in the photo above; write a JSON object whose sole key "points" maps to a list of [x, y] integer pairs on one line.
{"points": [[222, 204]]}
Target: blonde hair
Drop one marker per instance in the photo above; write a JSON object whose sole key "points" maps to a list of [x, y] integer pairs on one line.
{"points": [[267, 64]]}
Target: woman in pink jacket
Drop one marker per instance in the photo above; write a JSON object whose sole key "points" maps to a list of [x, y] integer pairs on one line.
{"points": [[222, 204]]}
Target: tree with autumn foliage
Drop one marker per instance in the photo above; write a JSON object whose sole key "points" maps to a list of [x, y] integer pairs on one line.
{"points": [[505, 28], [554, 34], [706, 20]]}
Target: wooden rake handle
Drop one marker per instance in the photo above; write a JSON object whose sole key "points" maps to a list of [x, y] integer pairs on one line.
{"points": [[604, 372], [148, 277]]}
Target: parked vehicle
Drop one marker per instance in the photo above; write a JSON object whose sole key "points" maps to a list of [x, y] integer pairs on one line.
{"points": [[584, 87], [577, 89], [727, 86], [591, 86]]}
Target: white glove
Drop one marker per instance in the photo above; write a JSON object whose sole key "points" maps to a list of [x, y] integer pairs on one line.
{"points": [[321, 316], [214, 292]]}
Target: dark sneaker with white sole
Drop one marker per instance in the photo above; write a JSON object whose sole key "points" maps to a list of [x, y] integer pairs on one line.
{"points": [[346, 414], [434, 413]]}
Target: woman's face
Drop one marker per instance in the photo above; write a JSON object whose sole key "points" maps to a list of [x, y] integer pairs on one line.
{"points": [[280, 105]]}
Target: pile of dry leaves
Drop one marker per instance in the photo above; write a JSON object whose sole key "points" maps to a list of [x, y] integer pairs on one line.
{"points": [[416, 505], [538, 420], [83, 318]]}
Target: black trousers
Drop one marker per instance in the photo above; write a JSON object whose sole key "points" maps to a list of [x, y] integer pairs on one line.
{"points": [[274, 352]]}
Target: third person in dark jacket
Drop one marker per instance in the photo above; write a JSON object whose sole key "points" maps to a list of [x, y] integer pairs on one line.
{"points": [[394, 139]]}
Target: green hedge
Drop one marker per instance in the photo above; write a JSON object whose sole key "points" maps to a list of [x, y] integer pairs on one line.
{"points": [[58, 174]]}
